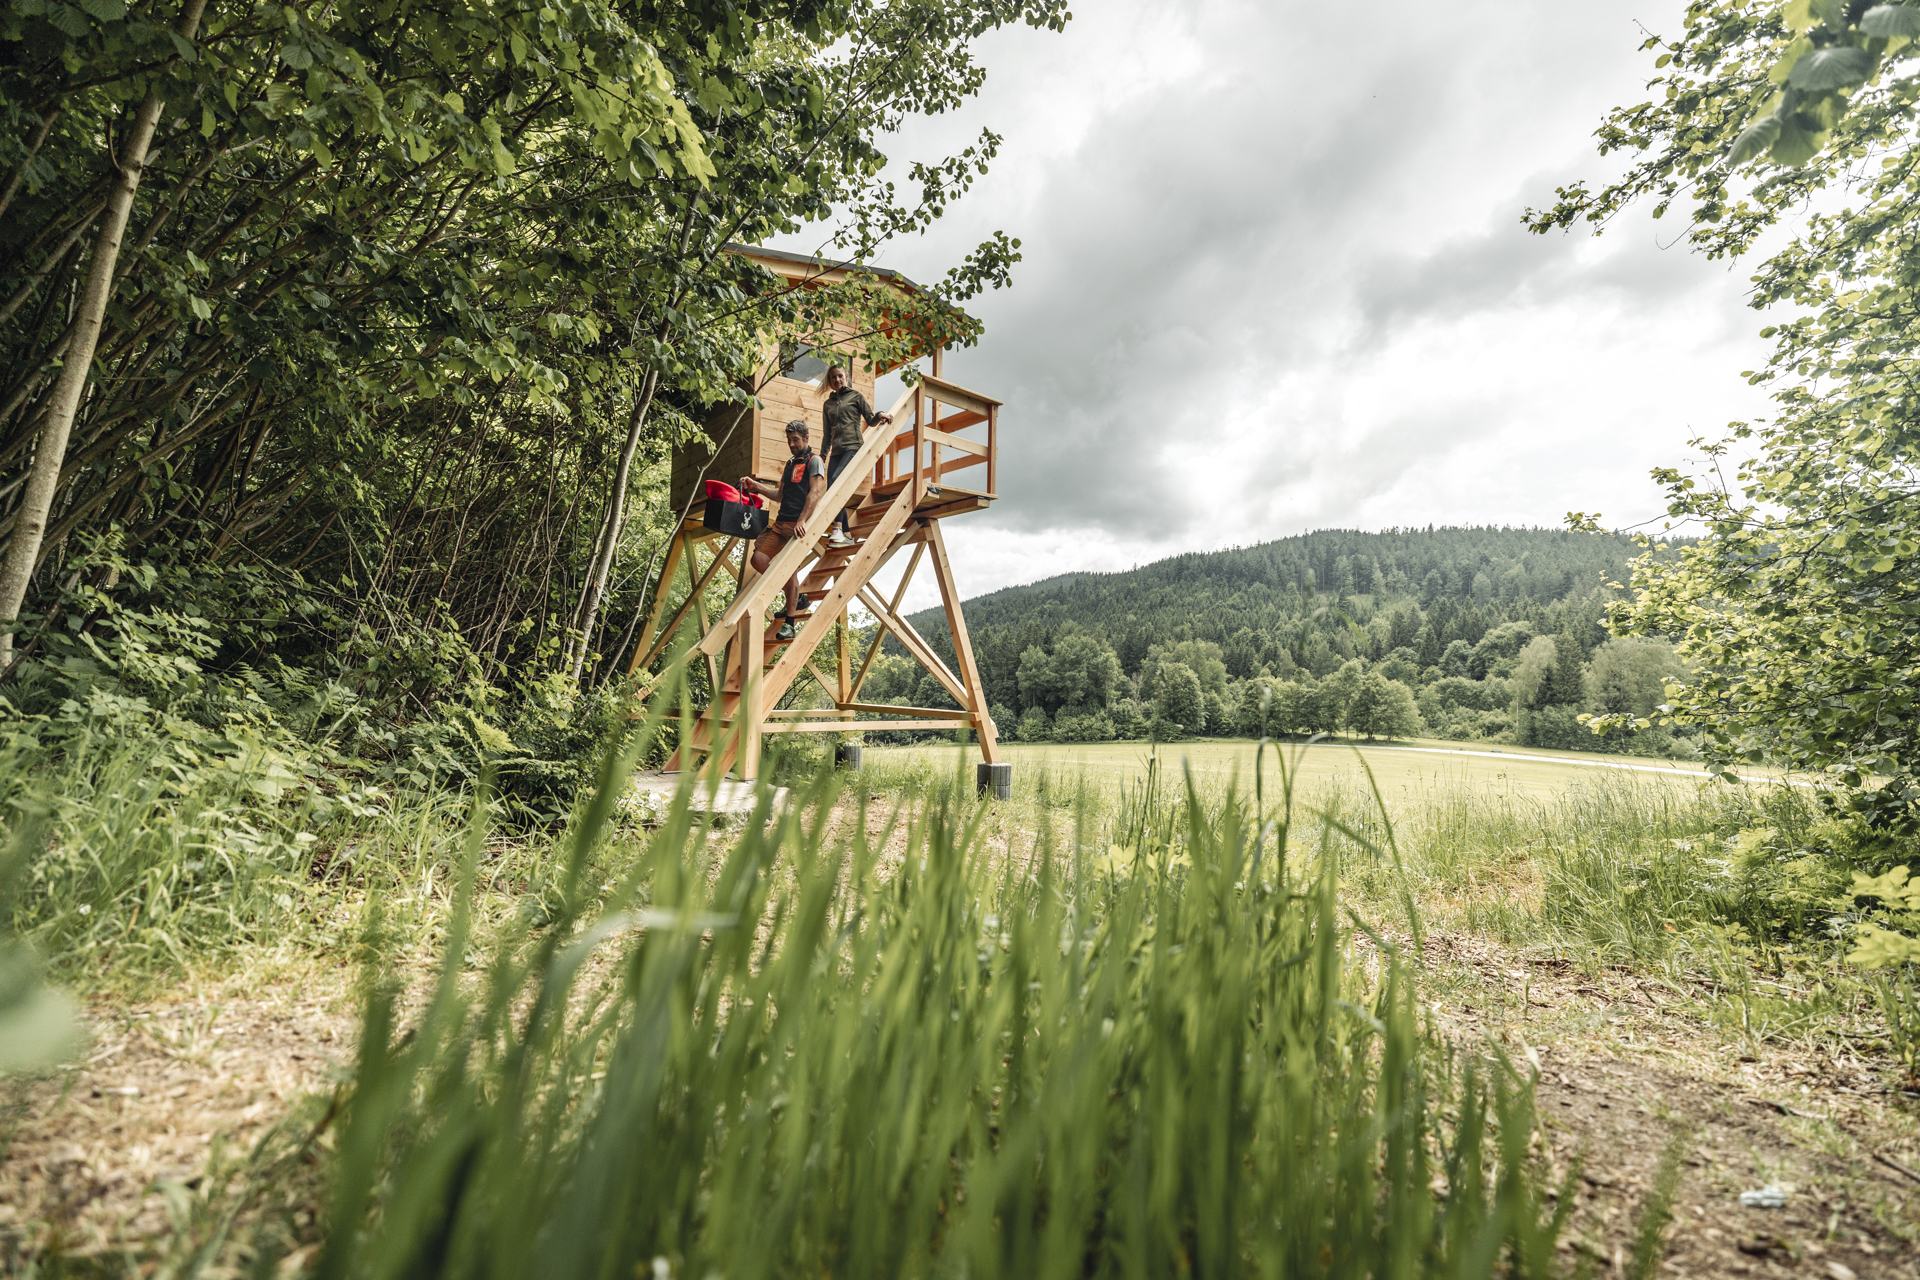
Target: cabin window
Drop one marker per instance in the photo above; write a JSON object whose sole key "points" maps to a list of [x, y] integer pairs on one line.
{"points": [[802, 363]]}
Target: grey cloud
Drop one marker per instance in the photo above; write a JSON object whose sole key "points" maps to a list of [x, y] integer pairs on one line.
{"points": [[1229, 277]]}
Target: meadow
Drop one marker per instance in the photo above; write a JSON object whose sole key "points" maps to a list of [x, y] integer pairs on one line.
{"points": [[1238, 1015], [1406, 769]]}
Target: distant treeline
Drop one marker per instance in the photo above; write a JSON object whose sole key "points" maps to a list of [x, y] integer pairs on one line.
{"points": [[1442, 613], [1306, 595]]}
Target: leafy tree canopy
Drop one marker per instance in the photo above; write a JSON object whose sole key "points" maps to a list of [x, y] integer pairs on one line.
{"points": [[1798, 615]]}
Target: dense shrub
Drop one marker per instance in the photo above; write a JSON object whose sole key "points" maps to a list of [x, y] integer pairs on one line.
{"points": [[1083, 726]]}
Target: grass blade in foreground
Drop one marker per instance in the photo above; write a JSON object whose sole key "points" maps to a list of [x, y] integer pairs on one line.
{"points": [[775, 1060]]}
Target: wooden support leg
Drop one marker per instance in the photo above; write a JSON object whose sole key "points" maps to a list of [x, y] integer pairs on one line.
{"points": [[844, 685], [746, 716], [681, 545], [963, 647]]}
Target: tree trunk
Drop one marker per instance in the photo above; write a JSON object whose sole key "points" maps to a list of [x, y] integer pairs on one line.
{"points": [[593, 593], [30, 526]]}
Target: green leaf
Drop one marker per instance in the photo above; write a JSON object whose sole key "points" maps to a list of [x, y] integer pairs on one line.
{"points": [[68, 19], [37, 1023], [105, 10], [1895, 887], [1798, 15], [1892, 20], [1756, 139], [1780, 70], [1796, 146], [1828, 69], [297, 56], [1879, 948]]}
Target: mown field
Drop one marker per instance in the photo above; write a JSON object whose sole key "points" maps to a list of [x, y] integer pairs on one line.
{"points": [[1406, 769]]}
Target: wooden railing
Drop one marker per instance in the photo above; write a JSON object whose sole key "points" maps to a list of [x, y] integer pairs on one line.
{"points": [[931, 447]]}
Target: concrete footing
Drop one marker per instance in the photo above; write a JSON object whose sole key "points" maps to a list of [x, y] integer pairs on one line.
{"points": [[995, 780]]}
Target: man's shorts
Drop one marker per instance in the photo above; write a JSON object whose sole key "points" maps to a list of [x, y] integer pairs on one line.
{"points": [[778, 535]]}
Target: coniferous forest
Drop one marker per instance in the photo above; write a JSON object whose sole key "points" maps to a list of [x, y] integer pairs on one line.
{"points": [[1491, 635]]}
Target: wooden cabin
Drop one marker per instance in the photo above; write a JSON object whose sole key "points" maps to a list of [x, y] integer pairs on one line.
{"points": [[938, 458], [745, 440]]}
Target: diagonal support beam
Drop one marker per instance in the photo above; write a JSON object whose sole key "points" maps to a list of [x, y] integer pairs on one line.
{"points": [[916, 645], [871, 555], [899, 594], [678, 545], [665, 635]]}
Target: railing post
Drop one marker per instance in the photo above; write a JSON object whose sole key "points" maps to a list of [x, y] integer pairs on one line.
{"points": [[919, 480], [933, 424], [993, 446]]}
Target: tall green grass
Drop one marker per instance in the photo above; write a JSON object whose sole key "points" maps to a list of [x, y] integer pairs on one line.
{"points": [[780, 1057], [1109, 1029], [146, 863]]}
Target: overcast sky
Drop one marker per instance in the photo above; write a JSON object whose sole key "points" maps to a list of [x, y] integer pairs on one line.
{"points": [[1275, 280]]}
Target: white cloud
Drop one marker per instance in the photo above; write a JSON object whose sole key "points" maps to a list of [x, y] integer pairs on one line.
{"points": [[1275, 279]]}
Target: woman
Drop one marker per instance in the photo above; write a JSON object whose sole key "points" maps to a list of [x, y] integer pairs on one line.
{"points": [[843, 416]]}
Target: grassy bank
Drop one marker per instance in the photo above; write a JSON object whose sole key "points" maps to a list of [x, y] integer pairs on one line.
{"points": [[864, 1042], [888, 1029]]}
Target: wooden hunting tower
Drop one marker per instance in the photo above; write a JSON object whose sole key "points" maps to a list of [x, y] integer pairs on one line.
{"points": [[903, 480]]}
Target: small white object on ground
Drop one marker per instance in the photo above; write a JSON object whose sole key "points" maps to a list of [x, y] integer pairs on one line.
{"points": [[649, 795], [1767, 1197]]}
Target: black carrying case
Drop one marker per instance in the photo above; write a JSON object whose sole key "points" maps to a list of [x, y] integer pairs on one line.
{"points": [[735, 519]]}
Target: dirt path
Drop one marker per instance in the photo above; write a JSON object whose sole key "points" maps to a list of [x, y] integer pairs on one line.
{"points": [[92, 1158], [1629, 1067], [1843, 1205]]}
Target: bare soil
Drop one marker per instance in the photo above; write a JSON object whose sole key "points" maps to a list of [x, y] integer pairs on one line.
{"points": [[1627, 1067], [167, 1094]]}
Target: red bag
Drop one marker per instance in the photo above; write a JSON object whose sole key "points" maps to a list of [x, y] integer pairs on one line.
{"points": [[727, 493]]}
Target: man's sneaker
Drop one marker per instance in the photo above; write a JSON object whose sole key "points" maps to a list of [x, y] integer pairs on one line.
{"points": [[786, 631], [839, 538]]}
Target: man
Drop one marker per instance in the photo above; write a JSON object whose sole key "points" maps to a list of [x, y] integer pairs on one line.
{"points": [[801, 484], [841, 419]]}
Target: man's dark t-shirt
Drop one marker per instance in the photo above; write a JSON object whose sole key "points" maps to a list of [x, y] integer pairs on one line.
{"points": [[793, 483], [841, 417]]}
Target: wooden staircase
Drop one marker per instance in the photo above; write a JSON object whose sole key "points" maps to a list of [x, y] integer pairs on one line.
{"points": [[758, 668]]}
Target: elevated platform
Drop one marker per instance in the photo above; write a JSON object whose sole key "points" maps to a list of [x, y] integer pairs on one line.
{"points": [[900, 477]]}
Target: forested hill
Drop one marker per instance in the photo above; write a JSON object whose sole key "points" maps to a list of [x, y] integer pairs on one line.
{"points": [[1322, 596]]}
